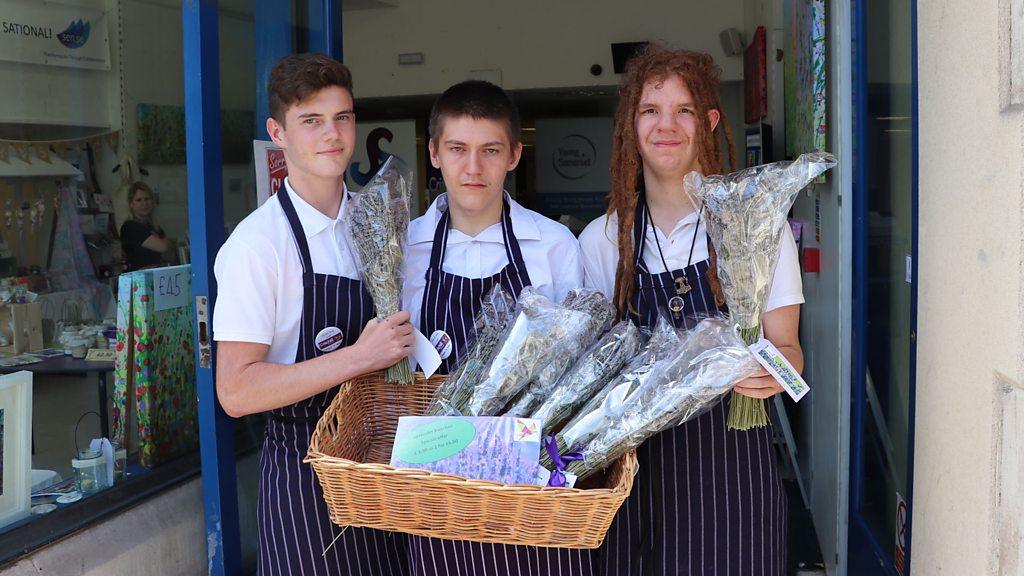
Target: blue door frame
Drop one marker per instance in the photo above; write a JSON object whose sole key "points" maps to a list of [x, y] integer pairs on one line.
{"points": [[866, 553], [273, 32], [206, 233]]}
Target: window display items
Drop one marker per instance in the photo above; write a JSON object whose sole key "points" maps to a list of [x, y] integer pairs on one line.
{"points": [[15, 446]]}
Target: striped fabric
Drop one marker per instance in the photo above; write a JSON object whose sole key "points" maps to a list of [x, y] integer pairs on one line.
{"points": [[451, 303], [460, 558], [707, 500], [293, 523]]}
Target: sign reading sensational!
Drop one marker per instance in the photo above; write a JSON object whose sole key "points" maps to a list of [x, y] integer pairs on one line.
{"points": [[54, 35]]}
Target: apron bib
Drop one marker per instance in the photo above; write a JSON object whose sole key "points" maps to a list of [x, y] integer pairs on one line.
{"points": [[292, 518], [707, 500]]}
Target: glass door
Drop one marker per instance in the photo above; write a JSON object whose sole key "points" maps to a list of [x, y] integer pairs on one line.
{"points": [[884, 291]]}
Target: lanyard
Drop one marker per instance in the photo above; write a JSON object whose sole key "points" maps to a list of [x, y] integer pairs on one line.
{"points": [[682, 283]]}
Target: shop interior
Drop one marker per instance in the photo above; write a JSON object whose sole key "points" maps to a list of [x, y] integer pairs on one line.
{"points": [[73, 140]]}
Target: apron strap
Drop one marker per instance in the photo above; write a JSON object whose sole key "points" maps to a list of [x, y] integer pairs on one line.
{"points": [[512, 249], [508, 233], [298, 233], [438, 249]]}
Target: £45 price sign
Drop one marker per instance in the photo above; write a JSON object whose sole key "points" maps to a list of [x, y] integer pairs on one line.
{"points": [[170, 287]]}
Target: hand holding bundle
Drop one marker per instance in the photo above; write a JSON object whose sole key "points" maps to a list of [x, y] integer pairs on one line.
{"points": [[378, 222], [745, 213]]}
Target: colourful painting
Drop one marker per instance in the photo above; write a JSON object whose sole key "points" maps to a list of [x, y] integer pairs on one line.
{"points": [[805, 78], [154, 370], [162, 134]]}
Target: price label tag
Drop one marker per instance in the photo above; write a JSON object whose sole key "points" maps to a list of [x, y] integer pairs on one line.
{"points": [[171, 287], [424, 354], [776, 364], [99, 355]]}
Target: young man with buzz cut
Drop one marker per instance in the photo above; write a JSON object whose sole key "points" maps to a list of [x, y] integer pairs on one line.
{"points": [[470, 239]]}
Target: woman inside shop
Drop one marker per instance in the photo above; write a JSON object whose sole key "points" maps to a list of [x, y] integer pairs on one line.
{"points": [[470, 239], [142, 241], [708, 499]]}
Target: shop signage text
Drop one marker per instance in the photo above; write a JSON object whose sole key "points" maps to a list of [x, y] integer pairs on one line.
{"points": [[54, 35]]}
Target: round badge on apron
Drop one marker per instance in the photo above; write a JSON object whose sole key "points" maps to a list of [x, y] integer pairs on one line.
{"points": [[329, 339], [675, 304], [442, 342]]}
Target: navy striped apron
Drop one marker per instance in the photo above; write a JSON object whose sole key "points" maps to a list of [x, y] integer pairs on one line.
{"points": [[707, 500], [451, 303], [293, 523]]}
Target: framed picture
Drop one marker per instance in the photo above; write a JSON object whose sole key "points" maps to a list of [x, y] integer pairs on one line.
{"points": [[15, 446]]}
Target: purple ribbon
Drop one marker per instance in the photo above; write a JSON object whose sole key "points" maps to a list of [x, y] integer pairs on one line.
{"points": [[557, 478]]}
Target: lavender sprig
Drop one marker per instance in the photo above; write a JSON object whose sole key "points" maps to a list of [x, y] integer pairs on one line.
{"points": [[378, 221], [454, 393], [588, 375], [601, 313], [711, 360], [608, 404], [541, 332], [745, 213]]}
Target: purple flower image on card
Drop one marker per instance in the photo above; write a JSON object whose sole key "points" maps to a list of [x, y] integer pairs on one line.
{"points": [[496, 448]]}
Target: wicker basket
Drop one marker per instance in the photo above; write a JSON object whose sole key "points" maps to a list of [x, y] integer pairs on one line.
{"points": [[352, 443]]}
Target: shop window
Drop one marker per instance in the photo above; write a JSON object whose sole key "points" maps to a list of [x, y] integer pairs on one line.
{"points": [[95, 300]]}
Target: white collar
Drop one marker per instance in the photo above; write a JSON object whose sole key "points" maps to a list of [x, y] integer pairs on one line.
{"points": [[523, 224], [685, 221], [313, 221]]}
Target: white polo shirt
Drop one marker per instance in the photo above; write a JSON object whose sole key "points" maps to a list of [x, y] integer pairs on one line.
{"points": [[600, 247], [550, 252], [259, 274]]}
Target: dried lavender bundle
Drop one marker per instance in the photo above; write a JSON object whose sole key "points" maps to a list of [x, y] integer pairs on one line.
{"points": [[378, 221], [588, 375], [541, 332], [745, 213], [453, 395], [594, 303], [601, 313], [711, 360], [607, 404]]}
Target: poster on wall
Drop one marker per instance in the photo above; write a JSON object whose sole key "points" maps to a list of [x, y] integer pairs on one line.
{"points": [[433, 177], [15, 446], [805, 77], [270, 169], [375, 142], [51, 34], [573, 156]]}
